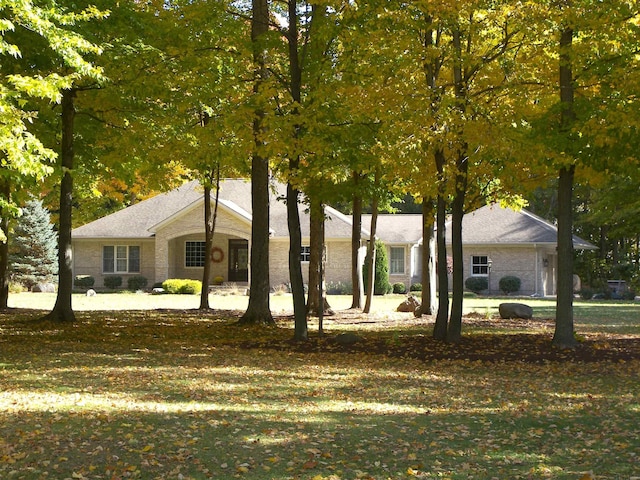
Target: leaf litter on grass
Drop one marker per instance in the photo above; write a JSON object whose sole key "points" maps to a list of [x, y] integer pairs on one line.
{"points": [[157, 395]]}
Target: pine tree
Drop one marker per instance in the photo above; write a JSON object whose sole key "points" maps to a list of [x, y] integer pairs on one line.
{"points": [[33, 247]]}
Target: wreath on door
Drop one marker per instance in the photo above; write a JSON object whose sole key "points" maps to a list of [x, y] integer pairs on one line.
{"points": [[217, 255]]}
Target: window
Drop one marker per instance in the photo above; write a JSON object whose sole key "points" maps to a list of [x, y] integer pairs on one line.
{"points": [[194, 254], [121, 259], [305, 253], [396, 260], [480, 265]]}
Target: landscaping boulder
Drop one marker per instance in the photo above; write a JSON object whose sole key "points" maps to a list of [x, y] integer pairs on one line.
{"points": [[515, 310], [44, 287], [409, 305]]}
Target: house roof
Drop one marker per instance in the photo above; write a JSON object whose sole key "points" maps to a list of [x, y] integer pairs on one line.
{"points": [[142, 219], [397, 227], [493, 224]]}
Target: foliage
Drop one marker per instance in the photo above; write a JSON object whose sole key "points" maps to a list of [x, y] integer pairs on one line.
{"points": [[399, 287], [381, 285], [182, 286], [27, 27], [415, 287], [509, 284], [84, 281], [476, 284], [33, 247], [136, 282], [112, 281]]}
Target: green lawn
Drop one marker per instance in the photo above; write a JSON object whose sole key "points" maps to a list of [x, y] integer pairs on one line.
{"points": [[170, 394]]}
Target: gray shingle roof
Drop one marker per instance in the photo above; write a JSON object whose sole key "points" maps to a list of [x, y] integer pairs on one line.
{"points": [[139, 220], [493, 224], [396, 228]]}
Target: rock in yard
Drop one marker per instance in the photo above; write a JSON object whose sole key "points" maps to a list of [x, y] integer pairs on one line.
{"points": [[515, 310], [409, 305]]}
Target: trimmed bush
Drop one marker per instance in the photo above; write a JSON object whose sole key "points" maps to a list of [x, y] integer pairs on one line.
{"points": [[509, 284], [113, 281], [476, 284], [415, 287], [84, 281], [339, 288], [399, 287], [182, 286], [137, 282]]}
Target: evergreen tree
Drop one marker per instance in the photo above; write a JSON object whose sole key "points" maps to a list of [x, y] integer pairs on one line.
{"points": [[381, 285], [33, 247]]}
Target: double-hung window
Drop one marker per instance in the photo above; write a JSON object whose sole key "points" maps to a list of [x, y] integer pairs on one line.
{"points": [[121, 259], [396, 260], [480, 265], [194, 254]]}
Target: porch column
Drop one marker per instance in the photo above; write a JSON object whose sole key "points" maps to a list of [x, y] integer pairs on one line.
{"points": [[161, 258]]}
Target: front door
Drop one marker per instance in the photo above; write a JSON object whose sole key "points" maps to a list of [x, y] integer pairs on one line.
{"points": [[238, 260]]}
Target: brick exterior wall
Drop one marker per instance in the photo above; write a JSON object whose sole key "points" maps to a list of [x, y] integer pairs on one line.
{"points": [[87, 259]]}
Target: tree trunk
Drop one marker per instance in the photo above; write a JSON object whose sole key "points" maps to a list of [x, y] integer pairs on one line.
{"points": [[442, 317], [5, 191], [258, 310], [371, 255], [428, 306], [209, 229], [62, 310], [356, 240], [301, 332], [563, 336], [316, 246], [454, 331]]}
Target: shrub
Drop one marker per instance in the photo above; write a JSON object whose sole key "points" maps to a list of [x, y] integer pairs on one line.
{"points": [[84, 281], [381, 285], [219, 280], [113, 281], [476, 284], [339, 288], [137, 282], [182, 286], [415, 287], [509, 284], [399, 287], [586, 293]]}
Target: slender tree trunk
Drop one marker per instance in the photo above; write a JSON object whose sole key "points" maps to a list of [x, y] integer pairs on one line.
{"points": [[356, 241], [316, 245], [457, 211], [210, 227], [5, 191], [564, 334], [428, 306], [258, 310], [442, 317], [301, 332], [62, 310], [371, 255]]}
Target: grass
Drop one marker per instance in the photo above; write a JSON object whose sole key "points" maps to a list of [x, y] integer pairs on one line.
{"points": [[168, 394]]}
